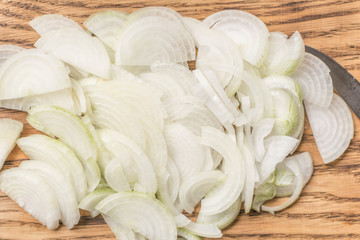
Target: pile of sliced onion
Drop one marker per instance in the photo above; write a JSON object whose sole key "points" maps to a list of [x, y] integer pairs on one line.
{"points": [[138, 137]]}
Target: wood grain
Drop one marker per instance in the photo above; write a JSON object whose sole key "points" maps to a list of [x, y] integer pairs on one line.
{"points": [[329, 207]]}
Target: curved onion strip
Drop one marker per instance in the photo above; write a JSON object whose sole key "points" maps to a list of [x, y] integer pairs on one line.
{"points": [[223, 196], [79, 96], [71, 130], [115, 176], [194, 188], [248, 191], [313, 75], [120, 231], [167, 13], [223, 219], [8, 50], [204, 230], [152, 39], [185, 149], [284, 82], [245, 29], [76, 73], [284, 54], [262, 129], [140, 213], [10, 132], [333, 128], [44, 148], [306, 165], [146, 175], [173, 183], [31, 192], [276, 149], [32, 72], [181, 232], [106, 25], [65, 43], [62, 187], [293, 165], [90, 201], [52, 22]]}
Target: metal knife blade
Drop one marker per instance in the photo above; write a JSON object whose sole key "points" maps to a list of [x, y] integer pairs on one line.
{"points": [[344, 83]]}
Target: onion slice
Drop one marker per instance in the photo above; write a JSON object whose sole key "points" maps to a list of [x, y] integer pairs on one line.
{"points": [[52, 22], [90, 201], [8, 50]]}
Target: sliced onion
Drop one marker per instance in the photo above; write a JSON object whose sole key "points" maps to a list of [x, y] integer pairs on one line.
{"points": [[223, 196], [223, 219], [78, 49], [10, 132], [90, 201], [62, 187], [140, 213], [31, 72], [262, 129], [115, 176], [60, 156], [106, 25], [8, 50], [194, 188], [314, 78], [173, 182], [120, 231], [52, 22], [79, 96], [204, 230], [333, 128], [66, 126], [245, 29], [284, 82], [167, 13], [284, 54], [249, 177], [31, 192], [181, 232]]}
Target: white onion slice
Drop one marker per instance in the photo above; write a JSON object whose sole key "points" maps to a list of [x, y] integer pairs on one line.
{"points": [[115, 176], [167, 13], [106, 25], [223, 219], [284, 82], [223, 196], [8, 50], [333, 128], [31, 192], [44, 148], [79, 97], [32, 72], [204, 230], [10, 132], [194, 188], [66, 126], [284, 54], [245, 29], [78, 49], [313, 75], [120, 231], [52, 22], [173, 182], [262, 129], [90, 201], [140, 213], [184, 234], [62, 187], [293, 165], [250, 175]]}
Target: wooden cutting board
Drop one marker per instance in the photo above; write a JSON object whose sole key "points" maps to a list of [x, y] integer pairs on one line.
{"points": [[329, 206]]}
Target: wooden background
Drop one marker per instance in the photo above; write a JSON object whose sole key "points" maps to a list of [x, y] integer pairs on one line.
{"points": [[329, 207]]}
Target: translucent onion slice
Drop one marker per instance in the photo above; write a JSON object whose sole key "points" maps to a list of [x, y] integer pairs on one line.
{"points": [[276, 149], [284, 82], [245, 29], [115, 176], [250, 176], [261, 130], [66, 126], [78, 49], [204, 230], [62, 187], [167, 13], [8, 50], [52, 22], [31, 192], [184, 234], [90, 201], [62, 98], [154, 39], [314, 78], [147, 181], [284, 54], [10, 132], [44, 148], [35, 72], [120, 231], [333, 128], [223, 219], [223, 196], [306, 165], [106, 25], [79, 97], [294, 166], [140, 213], [194, 188], [173, 183]]}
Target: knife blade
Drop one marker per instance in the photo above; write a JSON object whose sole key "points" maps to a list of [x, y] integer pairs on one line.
{"points": [[344, 83]]}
